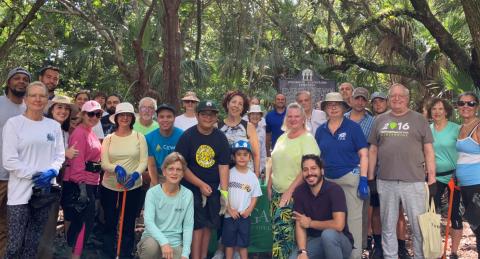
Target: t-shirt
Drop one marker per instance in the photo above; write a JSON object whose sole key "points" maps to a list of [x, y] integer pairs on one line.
{"points": [[317, 119], [274, 122], [242, 187], [321, 207], [446, 154], [106, 125], [8, 110], [287, 157], [98, 131], [169, 220], [160, 147], [183, 122], [140, 128], [130, 152], [29, 147], [340, 150], [400, 141], [204, 153]]}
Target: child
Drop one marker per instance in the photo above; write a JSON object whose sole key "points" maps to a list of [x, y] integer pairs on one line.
{"points": [[243, 190]]}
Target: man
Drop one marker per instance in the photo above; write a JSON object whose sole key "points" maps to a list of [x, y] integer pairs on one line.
{"points": [[401, 140], [50, 77], [346, 90], [11, 104], [359, 112], [274, 120], [161, 142], [379, 103], [207, 153], [314, 117], [112, 101], [146, 109], [188, 119], [320, 210]]}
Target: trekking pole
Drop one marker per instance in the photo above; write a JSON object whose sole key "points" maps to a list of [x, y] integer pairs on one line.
{"points": [[451, 187], [120, 227]]}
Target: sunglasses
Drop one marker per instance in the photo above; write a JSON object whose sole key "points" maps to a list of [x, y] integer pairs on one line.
{"points": [[189, 101], [96, 114], [470, 103]]}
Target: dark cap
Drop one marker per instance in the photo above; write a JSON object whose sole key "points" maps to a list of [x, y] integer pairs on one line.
{"points": [[165, 106], [19, 70], [378, 95], [360, 92], [207, 105]]}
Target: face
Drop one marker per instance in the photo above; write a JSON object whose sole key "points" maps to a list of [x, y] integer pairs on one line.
{"points": [[255, 117], [305, 101], [81, 99], [147, 110], [359, 104], [242, 157], [280, 101], [112, 102], [254, 101], [173, 172], [189, 105], [346, 91], [60, 112], [465, 111], [101, 100], [398, 99], [75, 119], [294, 120], [36, 98], [165, 120], [379, 105], [50, 78], [90, 119], [124, 119], [235, 106], [334, 109], [438, 112], [312, 174], [207, 119], [18, 84]]}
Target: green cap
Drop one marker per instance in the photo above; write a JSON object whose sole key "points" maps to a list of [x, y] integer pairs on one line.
{"points": [[207, 105]]}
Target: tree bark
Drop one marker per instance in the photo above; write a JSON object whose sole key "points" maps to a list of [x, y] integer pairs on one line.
{"points": [[199, 29], [472, 14]]}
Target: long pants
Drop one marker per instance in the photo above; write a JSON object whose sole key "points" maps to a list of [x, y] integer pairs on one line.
{"points": [[349, 184], [3, 217], [25, 226], [46, 247], [467, 195], [283, 227], [112, 205], [330, 245], [149, 248], [412, 196]]}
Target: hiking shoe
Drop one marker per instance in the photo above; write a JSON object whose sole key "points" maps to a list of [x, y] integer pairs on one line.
{"points": [[453, 256], [218, 255], [377, 253], [403, 254]]}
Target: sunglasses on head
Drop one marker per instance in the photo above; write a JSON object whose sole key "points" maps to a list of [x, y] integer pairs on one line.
{"points": [[463, 103], [96, 114]]}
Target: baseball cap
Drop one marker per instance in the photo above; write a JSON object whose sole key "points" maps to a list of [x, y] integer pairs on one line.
{"points": [[19, 70], [91, 106], [378, 95], [241, 144], [360, 92], [207, 105], [165, 106]]}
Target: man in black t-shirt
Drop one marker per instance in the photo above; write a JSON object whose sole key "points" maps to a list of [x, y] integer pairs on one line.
{"points": [[207, 153]]}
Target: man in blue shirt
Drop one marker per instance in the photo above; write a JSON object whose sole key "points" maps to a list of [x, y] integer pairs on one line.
{"points": [[274, 120], [161, 142]]}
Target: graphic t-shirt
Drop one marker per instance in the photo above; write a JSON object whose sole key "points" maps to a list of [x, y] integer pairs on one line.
{"points": [[204, 153], [242, 187], [446, 154], [400, 141], [160, 147]]}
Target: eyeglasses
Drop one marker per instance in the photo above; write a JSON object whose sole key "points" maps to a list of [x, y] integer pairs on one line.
{"points": [[96, 114], [147, 109], [189, 101], [463, 103]]}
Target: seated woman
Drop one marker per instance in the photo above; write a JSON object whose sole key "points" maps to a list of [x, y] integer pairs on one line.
{"points": [[168, 215]]}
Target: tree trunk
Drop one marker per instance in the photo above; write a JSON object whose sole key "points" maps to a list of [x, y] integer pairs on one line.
{"points": [[472, 14], [171, 59]]}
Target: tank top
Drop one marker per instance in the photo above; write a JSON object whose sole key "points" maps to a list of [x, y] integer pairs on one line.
{"points": [[468, 163]]}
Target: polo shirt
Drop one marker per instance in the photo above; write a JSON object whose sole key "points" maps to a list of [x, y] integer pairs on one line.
{"points": [[339, 151], [321, 207], [366, 123], [274, 122]]}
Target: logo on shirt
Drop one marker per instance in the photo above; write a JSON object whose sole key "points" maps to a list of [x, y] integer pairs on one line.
{"points": [[241, 186], [342, 136], [205, 156], [395, 129], [158, 148], [50, 137], [178, 210]]}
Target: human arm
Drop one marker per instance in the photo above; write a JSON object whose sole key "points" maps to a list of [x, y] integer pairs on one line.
{"points": [[143, 160], [224, 176], [193, 179], [253, 138], [429, 162], [363, 155], [287, 195], [337, 222], [11, 157], [188, 228], [372, 161], [152, 171], [301, 237], [248, 211], [149, 217], [268, 143], [106, 162]]}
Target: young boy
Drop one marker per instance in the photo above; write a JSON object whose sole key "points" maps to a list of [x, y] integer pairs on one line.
{"points": [[243, 190]]}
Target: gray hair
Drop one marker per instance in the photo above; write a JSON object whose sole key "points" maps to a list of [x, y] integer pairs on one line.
{"points": [[144, 99], [404, 88], [303, 92]]}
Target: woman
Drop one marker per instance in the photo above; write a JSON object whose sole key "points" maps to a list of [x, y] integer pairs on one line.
{"points": [[235, 128], [189, 118], [468, 163], [345, 154], [285, 176], [168, 234], [124, 158], [81, 178], [255, 116], [445, 135], [33, 153], [61, 111], [82, 97]]}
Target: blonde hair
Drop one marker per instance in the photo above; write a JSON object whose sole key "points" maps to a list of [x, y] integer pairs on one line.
{"points": [[294, 105], [172, 158], [36, 83]]}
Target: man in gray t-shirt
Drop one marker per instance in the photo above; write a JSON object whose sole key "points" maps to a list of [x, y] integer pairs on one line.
{"points": [[401, 141]]}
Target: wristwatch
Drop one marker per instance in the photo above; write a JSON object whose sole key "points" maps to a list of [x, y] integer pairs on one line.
{"points": [[301, 251]]}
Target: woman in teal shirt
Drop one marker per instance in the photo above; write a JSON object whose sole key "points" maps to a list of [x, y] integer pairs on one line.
{"points": [[445, 135]]}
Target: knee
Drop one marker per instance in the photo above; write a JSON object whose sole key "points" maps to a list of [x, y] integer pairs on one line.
{"points": [[329, 236], [149, 248]]}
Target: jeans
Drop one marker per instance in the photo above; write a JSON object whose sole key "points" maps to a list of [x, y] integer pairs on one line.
{"points": [[331, 244]]}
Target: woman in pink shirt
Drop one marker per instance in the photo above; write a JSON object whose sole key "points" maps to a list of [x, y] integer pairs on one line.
{"points": [[81, 178]]}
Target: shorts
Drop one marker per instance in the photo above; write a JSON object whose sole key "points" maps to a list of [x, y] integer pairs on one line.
{"points": [[374, 200], [206, 217], [236, 232]]}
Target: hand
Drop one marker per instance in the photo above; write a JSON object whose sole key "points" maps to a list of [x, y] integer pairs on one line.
{"points": [[269, 192], [167, 251], [285, 199], [302, 256], [206, 189], [233, 213], [131, 180], [121, 174], [71, 152], [246, 213], [223, 205], [302, 219], [372, 185], [431, 180], [362, 191], [44, 178]]}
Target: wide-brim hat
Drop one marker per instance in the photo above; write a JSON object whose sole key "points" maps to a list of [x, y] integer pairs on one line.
{"points": [[190, 96], [333, 97], [255, 108], [61, 99], [125, 107], [207, 105]]}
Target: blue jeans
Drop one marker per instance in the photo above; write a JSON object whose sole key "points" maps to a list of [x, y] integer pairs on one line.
{"points": [[330, 245]]}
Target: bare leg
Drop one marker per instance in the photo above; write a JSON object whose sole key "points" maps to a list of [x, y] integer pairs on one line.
{"points": [[205, 241], [401, 225], [197, 244], [229, 252], [243, 252], [456, 237]]}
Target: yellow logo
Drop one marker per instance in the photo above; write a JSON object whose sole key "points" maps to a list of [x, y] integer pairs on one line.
{"points": [[158, 148], [205, 156]]}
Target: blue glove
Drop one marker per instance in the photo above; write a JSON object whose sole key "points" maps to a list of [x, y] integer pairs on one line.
{"points": [[362, 190], [131, 180], [121, 174], [44, 178]]}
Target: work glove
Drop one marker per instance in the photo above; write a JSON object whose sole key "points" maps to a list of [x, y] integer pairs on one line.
{"points": [[121, 174], [131, 180], [362, 191], [223, 202], [372, 185], [43, 178]]}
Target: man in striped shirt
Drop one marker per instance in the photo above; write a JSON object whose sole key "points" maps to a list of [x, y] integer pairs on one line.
{"points": [[359, 112]]}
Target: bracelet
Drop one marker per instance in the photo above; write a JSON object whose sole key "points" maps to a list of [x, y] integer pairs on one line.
{"points": [[302, 251]]}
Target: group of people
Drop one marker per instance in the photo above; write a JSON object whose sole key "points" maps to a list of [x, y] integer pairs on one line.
{"points": [[340, 180]]}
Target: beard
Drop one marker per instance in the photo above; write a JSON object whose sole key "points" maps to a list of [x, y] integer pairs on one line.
{"points": [[110, 110], [319, 181], [17, 93]]}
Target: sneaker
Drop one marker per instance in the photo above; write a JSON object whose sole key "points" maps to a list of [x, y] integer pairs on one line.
{"points": [[377, 253], [236, 255], [218, 255], [453, 256], [403, 254]]}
